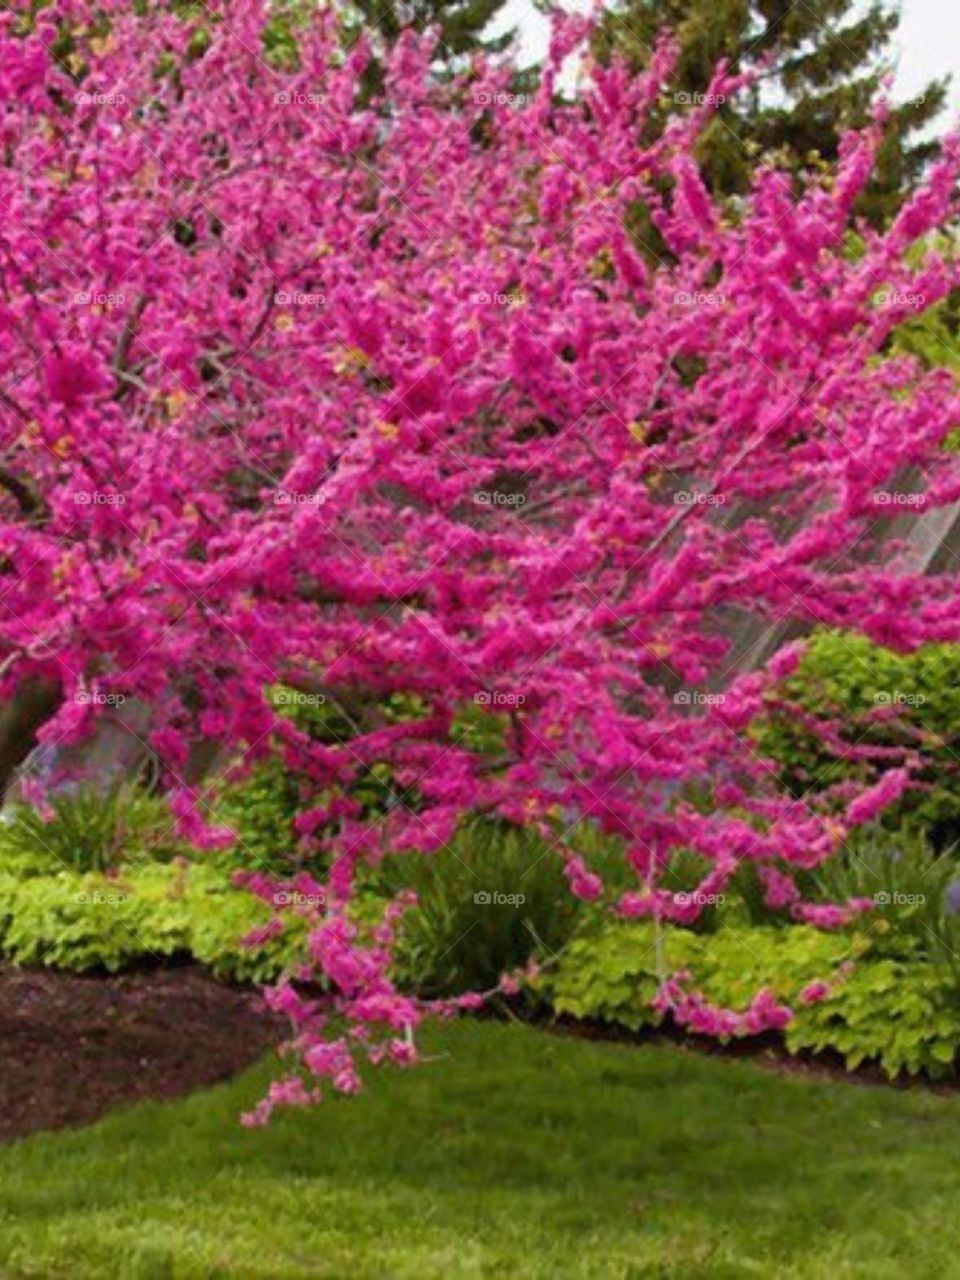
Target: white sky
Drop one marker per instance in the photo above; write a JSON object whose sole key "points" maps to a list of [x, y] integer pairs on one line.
{"points": [[927, 46]]}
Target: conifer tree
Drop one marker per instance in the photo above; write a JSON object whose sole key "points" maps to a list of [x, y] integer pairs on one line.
{"points": [[819, 64]]}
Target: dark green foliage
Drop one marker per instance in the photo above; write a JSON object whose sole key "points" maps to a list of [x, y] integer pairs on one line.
{"points": [[909, 883], [461, 22], [827, 57], [460, 937], [90, 829], [847, 678], [261, 807]]}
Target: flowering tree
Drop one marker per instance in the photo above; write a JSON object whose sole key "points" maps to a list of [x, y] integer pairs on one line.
{"points": [[384, 398]]}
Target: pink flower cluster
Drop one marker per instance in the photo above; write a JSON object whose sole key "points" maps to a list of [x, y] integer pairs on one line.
{"points": [[693, 1011]]}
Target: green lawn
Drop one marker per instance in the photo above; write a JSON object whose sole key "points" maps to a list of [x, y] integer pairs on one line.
{"points": [[515, 1154]]}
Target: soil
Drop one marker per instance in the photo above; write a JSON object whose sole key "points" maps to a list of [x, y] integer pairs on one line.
{"points": [[72, 1047]]}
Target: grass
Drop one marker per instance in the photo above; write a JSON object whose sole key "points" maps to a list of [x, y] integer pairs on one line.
{"points": [[516, 1154]]}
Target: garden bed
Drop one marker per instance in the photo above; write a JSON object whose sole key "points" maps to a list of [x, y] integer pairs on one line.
{"points": [[72, 1047]]}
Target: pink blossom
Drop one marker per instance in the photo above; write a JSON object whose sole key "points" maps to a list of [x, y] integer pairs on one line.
{"points": [[583, 883], [813, 992]]}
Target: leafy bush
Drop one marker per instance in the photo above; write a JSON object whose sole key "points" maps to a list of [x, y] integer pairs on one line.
{"points": [[909, 883], [82, 922], [493, 899], [898, 1012], [261, 806], [261, 809], [932, 337], [614, 973], [894, 1012], [90, 829], [846, 677]]}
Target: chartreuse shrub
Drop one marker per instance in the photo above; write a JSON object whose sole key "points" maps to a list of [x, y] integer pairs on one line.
{"points": [[882, 699], [894, 1012], [614, 971], [932, 337], [87, 921], [901, 1013]]}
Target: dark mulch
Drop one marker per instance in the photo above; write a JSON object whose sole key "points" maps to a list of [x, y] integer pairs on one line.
{"points": [[72, 1047]]}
